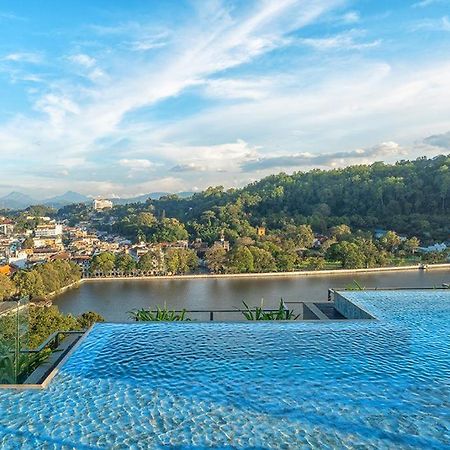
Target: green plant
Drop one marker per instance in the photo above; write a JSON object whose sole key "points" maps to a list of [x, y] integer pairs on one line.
{"points": [[258, 312], [160, 315], [354, 286], [15, 372]]}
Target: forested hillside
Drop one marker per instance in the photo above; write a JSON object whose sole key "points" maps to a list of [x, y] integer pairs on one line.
{"points": [[411, 197]]}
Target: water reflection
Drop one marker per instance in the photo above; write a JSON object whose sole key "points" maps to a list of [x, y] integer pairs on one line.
{"points": [[113, 299]]}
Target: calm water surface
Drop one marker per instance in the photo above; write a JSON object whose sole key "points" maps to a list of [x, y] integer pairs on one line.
{"points": [[114, 299]]}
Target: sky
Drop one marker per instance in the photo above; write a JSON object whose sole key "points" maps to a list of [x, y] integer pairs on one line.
{"points": [[115, 98]]}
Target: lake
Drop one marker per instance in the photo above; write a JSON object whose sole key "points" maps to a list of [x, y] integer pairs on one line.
{"points": [[113, 299]]}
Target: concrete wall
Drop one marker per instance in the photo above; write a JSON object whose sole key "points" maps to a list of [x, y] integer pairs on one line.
{"points": [[349, 309]]}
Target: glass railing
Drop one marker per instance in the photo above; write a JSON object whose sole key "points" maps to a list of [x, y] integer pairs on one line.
{"points": [[14, 338]]}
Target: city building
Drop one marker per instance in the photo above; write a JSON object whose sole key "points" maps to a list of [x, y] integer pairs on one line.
{"points": [[52, 230], [7, 229], [18, 258], [101, 204]]}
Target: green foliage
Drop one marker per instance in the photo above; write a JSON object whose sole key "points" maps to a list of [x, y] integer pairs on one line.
{"points": [[29, 283], [241, 260], [103, 263], [411, 245], [16, 373], [339, 232], [263, 261], [87, 319], [43, 321], [160, 315], [216, 259], [357, 254], [259, 313], [180, 260], [410, 197], [390, 241], [7, 287], [152, 260], [46, 278], [28, 243], [354, 286], [125, 263]]}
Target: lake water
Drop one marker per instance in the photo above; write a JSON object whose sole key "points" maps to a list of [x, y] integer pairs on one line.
{"points": [[114, 299]]}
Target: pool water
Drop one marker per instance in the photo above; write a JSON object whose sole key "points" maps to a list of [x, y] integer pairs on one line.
{"points": [[373, 384]]}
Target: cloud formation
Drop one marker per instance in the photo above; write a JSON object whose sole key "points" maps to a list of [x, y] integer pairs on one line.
{"points": [[210, 94], [385, 150]]}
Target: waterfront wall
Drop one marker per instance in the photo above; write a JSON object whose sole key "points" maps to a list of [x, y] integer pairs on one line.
{"points": [[65, 288], [275, 274]]}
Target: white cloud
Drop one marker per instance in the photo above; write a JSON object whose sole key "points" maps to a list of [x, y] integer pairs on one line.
{"points": [[57, 107], [383, 151], [137, 164], [351, 17], [24, 57], [298, 109], [344, 41], [425, 3], [238, 88], [83, 60], [441, 24]]}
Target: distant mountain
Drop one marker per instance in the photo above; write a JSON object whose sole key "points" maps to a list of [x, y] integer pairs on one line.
{"points": [[143, 198], [17, 200], [67, 198]]}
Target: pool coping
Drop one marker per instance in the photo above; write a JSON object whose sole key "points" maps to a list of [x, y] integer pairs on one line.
{"points": [[54, 371]]}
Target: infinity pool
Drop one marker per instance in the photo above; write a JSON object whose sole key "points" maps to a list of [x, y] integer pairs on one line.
{"points": [[369, 384]]}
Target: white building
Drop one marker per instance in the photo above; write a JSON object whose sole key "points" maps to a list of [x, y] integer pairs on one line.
{"points": [[100, 204], [52, 230], [6, 228], [19, 259]]}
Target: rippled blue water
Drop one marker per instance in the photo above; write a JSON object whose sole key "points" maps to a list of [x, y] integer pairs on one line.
{"points": [[358, 384]]}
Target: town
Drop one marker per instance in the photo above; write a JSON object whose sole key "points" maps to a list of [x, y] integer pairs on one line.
{"points": [[29, 241]]}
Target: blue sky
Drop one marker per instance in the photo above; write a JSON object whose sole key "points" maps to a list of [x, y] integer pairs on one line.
{"points": [[124, 98]]}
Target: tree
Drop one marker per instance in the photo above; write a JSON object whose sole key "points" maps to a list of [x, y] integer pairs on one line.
{"points": [[43, 321], [240, 260], [125, 263], [151, 261], [168, 230], [7, 287], [28, 243], [390, 241], [348, 253], [87, 319], [145, 219], [180, 260], [263, 260], [216, 258], [304, 236], [411, 245], [51, 279], [29, 283], [104, 263], [340, 231], [315, 262]]}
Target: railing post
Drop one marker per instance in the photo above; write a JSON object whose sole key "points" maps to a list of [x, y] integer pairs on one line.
{"points": [[57, 340], [211, 316]]}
